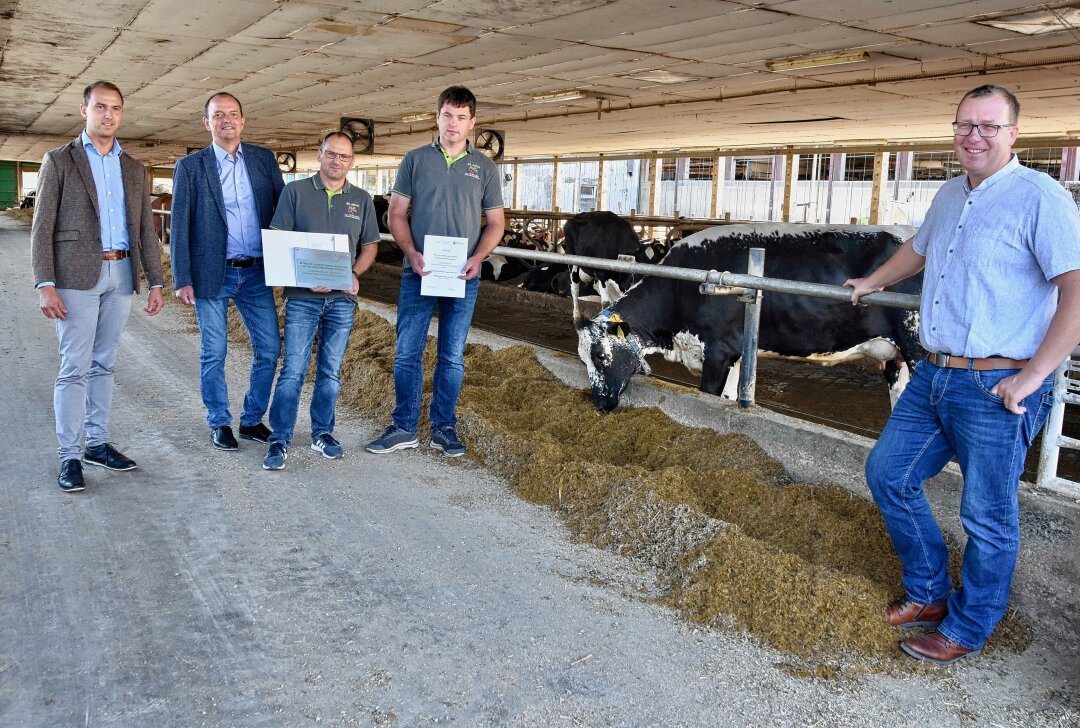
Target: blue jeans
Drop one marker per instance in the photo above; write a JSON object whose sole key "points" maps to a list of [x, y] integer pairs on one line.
{"points": [[413, 318], [255, 302], [945, 413], [333, 319]]}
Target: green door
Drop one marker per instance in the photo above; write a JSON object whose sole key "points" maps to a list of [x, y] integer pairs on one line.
{"points": [[9, 185]]}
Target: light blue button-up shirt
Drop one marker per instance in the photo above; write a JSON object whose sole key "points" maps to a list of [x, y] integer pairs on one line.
{"points": [[110, 194], [241, 216], [990, 255]]}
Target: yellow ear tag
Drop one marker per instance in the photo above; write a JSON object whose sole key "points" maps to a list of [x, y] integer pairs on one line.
{"points": [[615, 319], [619, 332]]}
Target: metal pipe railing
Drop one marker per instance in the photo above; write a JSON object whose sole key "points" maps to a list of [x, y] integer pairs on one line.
{"points": [[1046, 475], [716, 278]]}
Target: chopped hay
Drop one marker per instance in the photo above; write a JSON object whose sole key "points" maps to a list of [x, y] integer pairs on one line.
{"points": [[25, 214], [806, 569]]}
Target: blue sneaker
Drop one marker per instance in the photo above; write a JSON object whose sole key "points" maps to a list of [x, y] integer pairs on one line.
{"points": [[394, 438], [275, 457], [445, 439], [325, 443]]}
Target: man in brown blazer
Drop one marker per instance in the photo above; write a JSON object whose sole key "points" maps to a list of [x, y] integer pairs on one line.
{"points": [[92, 234]]}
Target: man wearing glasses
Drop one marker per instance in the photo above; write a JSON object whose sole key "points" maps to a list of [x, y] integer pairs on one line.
{"points": [[1000, 246], [323, 203]]}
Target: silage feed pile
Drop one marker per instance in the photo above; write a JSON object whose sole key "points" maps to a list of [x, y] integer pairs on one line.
{"points": [[737, 545], [806, 569]]}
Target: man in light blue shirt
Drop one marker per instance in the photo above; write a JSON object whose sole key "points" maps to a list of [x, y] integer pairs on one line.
{"points": [[92, 234], [1000, 311], [223, 196]]}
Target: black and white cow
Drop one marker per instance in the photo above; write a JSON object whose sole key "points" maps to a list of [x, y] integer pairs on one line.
{"points": [[548, 278], [599, 234], [705, 333], [382, 211], [503, 268]]}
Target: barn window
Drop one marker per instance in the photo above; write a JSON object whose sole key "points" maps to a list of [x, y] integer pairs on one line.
{"points": [[859, 167], [701, 167]]}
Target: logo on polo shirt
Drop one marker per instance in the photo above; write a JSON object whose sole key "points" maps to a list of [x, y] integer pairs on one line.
{"points": [[473, 171], [352, 210]]}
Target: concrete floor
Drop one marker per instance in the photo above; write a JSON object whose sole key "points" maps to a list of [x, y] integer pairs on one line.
{"points": [[395, 590]]}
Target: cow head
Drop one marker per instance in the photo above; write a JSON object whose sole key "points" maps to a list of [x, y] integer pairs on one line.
{"points": [[612, 354]]}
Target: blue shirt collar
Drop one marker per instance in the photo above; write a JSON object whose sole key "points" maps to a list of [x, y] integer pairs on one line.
{"points": [[116, 151], [222, 155], [1011, 166]]}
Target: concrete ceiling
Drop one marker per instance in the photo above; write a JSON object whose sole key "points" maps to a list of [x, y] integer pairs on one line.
{"points": [[675, 74]]}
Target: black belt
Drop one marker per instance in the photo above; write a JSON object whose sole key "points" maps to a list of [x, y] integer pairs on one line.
{"points": [[242, 262]]}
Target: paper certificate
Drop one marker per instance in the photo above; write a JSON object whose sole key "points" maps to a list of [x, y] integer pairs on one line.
{"points": [[280, 259], [322, 268], [444, 257]]}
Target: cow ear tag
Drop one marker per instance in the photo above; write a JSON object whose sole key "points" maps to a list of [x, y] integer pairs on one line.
{"points": [[619, 332]]}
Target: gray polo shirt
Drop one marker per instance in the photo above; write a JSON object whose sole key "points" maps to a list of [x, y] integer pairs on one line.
{"points": [[306, 206], [990, 254], [448, 196]]}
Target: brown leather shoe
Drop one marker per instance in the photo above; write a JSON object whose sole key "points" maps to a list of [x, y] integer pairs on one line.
{"points": [[936, 648], [905, 614]]}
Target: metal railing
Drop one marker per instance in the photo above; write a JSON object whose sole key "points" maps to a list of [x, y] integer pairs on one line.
{"points": [[1066, 391], [749, 287]]}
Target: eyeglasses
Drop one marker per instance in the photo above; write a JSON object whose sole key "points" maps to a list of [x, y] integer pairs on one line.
{"points": [[334, 156], [986, 131]]}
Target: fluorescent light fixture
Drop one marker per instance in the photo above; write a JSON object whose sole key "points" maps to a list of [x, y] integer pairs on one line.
{"points": [[569, 94], [422, 116], [821, 59], [660, 76]]}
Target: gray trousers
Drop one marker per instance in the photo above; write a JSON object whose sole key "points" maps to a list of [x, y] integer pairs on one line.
{"points": [[89, 337]]}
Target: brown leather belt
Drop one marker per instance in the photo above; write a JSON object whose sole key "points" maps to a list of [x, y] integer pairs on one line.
{"points": [[981, 365], [114, 255]]}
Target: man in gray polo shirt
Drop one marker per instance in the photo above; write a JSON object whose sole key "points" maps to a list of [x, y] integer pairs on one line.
{"points": [[999, 245], [448, 183], [323, 203]]}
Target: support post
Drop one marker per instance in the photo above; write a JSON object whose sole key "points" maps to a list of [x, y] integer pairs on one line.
{"points": [[1048, 453], [751, 323]]}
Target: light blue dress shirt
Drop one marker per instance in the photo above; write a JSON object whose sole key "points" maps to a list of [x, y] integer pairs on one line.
{"points": [[990, 255], [241, 216], [110, 194]]}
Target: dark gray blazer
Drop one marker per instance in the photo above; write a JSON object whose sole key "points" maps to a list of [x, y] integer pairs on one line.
{"points": [[65, 238], [199, 234]]}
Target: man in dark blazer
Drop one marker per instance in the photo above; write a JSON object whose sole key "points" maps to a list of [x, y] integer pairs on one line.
{"points": [[92, 234], [223, 196]]}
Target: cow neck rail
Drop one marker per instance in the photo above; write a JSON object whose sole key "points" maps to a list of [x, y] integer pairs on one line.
{"points": [[724, 282], [1066, 391]]}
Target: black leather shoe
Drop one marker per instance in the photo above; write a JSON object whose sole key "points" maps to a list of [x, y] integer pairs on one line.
{"points": [[109, 457], [223, 439], [258, 432], [71, 479]]}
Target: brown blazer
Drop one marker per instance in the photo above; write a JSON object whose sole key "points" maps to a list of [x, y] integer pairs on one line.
{"points": [[65, 238]]}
